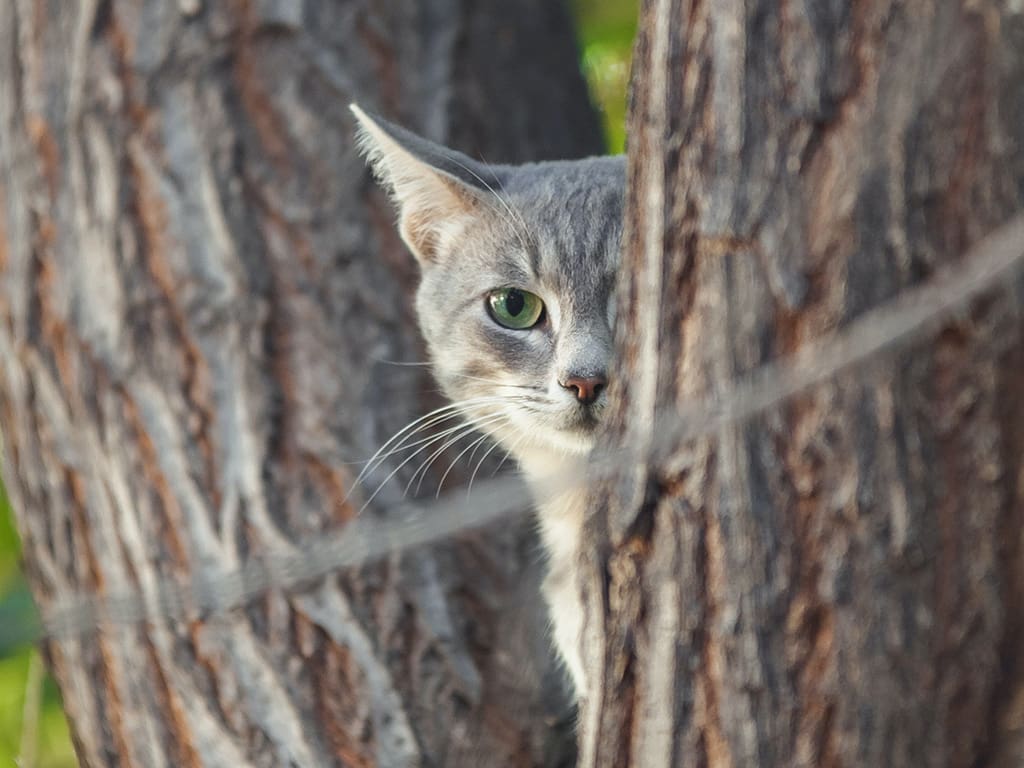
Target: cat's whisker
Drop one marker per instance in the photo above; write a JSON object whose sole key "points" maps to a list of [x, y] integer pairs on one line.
{"points": [[462, 430], [509, 452], [404, 445], [444, 409], [470, 428], [473, 454], [394, 443], [468, 377], [495, 383], [472, 477], [514, 212], [421, 470], [506, 457], [438, 415], [474, 445], [459, 412], [516, 222], [523, 438], [539, 407]]}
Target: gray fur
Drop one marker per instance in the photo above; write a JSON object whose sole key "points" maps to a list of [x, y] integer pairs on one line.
{"points": [[553, 229]]}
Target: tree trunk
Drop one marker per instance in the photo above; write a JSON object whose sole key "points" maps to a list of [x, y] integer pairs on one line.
{"points": [[838, 580], [199, 288]]}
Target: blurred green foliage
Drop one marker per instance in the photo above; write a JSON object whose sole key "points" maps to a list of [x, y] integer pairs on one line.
{"points": [[606, 29], [52, 744]]}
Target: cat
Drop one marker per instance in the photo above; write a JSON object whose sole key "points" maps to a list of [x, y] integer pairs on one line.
{"points": [[517, 304]]}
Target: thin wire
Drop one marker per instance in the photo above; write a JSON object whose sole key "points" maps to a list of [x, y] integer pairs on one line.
{"points": [[362, 541], [899, 321], [991, 262]]}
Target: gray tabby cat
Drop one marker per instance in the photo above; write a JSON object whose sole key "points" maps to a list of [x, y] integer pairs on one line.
{"points": [[516, 304]]}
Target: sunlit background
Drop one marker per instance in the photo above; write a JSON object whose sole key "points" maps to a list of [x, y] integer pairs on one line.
{"points": [[606, 29], [33, 732]]}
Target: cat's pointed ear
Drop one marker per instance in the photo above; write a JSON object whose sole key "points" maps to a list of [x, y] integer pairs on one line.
{"points": [[431, 185]]}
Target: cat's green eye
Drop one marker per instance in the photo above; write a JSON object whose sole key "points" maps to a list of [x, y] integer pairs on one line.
{"points": [[515, 308]]}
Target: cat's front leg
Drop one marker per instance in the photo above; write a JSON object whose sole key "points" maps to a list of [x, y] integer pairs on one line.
{"points": [[566, 612], [561, 528]]}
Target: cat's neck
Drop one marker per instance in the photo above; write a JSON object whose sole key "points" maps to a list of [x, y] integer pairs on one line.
{"points": [[541, 467], [559, 495], [561, 502]]}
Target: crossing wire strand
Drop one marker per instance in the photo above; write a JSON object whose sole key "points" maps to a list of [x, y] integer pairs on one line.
{"points": [[905, 318]]}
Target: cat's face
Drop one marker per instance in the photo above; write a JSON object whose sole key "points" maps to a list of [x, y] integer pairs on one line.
{"points": [[516, 300]]}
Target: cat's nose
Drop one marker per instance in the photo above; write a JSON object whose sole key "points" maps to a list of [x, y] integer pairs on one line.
{"points": [[586, 388]]}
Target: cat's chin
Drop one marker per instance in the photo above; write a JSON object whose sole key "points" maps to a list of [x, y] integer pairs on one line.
{"points": [[562, 443], [536, 444], [575, 443]]}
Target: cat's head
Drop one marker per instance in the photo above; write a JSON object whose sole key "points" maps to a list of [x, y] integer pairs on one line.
{"points": [[516, 301]]}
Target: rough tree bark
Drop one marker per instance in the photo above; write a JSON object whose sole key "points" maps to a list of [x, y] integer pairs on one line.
{"points": [[838, 581], [198, 284]]}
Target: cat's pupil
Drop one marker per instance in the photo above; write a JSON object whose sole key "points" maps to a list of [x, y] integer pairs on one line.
{"points": [[514, 302]]}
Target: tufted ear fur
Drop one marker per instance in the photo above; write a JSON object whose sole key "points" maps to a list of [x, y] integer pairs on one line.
{"points": [[437, 190]]}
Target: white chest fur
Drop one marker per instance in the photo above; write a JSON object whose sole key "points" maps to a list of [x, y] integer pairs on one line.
{"points": [[561, 526]]}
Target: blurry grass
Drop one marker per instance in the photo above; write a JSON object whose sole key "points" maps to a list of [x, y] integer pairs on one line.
{"points": [[606, 29], [52, 744]]}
